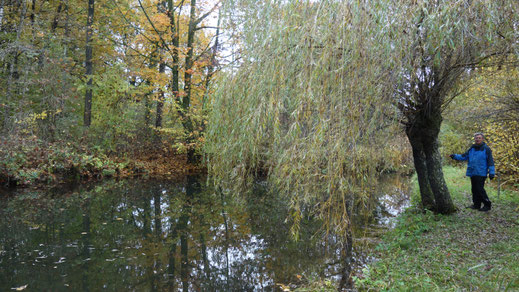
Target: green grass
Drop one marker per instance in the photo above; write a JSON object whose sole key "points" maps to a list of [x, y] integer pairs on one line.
{"points": [[466, 251]]}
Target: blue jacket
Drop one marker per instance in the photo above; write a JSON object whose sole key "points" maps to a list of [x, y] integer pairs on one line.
{"points": [[480, 160]]}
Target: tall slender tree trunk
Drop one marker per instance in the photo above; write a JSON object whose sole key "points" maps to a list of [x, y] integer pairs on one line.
{"points": [[160, 102], [186, 100], [67, 29], [175, 42], [147, 101], [32, 17], [55, 21], [87, 118], [189, 58], [147, 110]]}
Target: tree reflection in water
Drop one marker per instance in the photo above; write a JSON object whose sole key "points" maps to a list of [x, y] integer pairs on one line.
{"points": [[161, 236]]}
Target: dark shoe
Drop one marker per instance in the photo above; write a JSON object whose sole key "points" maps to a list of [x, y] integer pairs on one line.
{"points": [[485, 209], [473, 207]]}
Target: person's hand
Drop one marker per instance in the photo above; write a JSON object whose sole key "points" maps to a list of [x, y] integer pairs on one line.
{"points": [[491, 176]]}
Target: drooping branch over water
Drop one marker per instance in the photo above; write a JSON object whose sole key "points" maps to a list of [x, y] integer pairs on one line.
{"points": [[305, 104]]}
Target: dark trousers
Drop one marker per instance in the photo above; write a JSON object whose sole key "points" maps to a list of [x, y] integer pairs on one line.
{"points": [[479, 195]]}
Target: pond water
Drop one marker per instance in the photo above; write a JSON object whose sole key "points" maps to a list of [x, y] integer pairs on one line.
{"points": [[142, 235]]}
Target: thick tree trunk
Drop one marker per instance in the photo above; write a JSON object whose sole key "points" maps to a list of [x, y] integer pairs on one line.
{"points": [[439, 188], [87, 119], [420, 165], [423, 136]]}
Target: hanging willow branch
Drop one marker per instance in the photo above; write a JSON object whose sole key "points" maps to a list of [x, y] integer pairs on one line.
{"points": [[303, 105]]}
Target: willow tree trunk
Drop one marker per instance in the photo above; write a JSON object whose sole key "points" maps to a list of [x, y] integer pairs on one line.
{"points": [[423, 136], [420, 166], [439, 188], [87, 118]]}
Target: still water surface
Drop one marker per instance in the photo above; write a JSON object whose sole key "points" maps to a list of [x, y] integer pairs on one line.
{"points": [[141, 235]]}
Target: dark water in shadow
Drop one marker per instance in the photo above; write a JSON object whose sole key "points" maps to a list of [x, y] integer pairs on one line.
{"points": [[140, 235]]}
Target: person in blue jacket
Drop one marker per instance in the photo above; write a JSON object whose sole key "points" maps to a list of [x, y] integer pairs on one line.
{"points": [[480, 164]]}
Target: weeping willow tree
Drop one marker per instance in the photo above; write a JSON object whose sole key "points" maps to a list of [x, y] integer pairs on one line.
{"points": [[319, 81], [443, 42], [303, 105]]}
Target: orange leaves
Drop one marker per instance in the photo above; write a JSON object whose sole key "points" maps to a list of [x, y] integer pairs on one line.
{"points": [[161, 22]]}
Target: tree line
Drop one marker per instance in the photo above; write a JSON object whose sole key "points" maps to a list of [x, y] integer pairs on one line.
{"points": [[116, 69]]}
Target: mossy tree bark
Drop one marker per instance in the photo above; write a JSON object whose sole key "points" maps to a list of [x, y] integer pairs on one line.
{"points": [[423, 137], [422, 129], [439, 188], [420, 166]]}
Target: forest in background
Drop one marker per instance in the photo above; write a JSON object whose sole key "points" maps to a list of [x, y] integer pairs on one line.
{"points": [[90, 87]]}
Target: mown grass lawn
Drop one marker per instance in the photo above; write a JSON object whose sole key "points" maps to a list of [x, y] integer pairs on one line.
{"points": [[467, 251]]}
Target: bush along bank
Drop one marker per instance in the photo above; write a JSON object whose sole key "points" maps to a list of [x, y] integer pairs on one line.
{"points": [[468, 250], [30, 162]]}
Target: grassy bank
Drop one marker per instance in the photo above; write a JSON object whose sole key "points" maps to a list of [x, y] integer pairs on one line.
{"points": [[466, 251]]}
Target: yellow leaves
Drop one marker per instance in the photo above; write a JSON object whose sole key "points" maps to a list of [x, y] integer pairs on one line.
{"points": [[161, 21], [502, 138]]}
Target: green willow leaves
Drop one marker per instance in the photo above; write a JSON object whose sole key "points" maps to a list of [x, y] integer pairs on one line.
{"points": [[304, 104]]}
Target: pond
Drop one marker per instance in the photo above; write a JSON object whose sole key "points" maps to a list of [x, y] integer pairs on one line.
{"points": [[144, 235]]}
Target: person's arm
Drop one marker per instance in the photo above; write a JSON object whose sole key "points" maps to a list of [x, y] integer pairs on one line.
{"points": [[490, 163], [461, 157]]}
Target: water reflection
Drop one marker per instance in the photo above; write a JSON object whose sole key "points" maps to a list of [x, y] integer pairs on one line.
{"points": [[162, 236]]}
